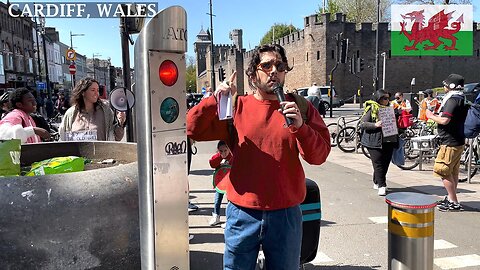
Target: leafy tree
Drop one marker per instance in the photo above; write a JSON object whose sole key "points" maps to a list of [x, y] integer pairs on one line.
{"points": [[280, 30], [191, 75], [433, 2], [359, 11]]}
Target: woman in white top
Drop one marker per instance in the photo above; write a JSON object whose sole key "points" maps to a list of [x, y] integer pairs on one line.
{"points": [[90, 118]]}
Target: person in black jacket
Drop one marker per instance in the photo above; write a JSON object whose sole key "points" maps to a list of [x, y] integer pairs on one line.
{"points": [[380, 147]]}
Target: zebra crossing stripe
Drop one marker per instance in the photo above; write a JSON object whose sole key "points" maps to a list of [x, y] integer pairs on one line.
{"points": [[442, 244], [458, 261], [320, 259], [379, 220]]}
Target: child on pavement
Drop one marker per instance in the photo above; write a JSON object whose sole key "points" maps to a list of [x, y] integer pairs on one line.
{"points": [[223, 156]]}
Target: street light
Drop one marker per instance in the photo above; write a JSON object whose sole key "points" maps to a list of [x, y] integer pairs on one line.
{"points": [[47, 78], [93, 56], [71, 47]]}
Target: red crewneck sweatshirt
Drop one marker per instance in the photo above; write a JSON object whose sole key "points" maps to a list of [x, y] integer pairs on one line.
{"points": [[266, 171]]}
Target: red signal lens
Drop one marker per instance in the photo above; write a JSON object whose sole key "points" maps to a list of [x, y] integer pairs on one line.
{"points": [[168, 72]]}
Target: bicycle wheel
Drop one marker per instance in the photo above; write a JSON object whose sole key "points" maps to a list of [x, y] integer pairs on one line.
{"points": [[365, 151], [333, 129], [411, 156], [463, 171], [346, 139]]}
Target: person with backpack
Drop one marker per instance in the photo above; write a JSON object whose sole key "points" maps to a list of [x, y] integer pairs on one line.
{"points": [[472, 121], [450, 120], [267, 180]]}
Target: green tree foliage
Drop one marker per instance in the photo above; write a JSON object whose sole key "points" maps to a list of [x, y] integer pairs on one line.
{"points": [[359, 11], [435, 2], [191, 76], [280, 31]]}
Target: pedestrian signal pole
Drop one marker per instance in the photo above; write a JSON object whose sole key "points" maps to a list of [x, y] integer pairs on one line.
{"points": [[160, 69]]}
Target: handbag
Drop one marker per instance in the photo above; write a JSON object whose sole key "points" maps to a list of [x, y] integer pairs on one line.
{"points": [[405, 120]]}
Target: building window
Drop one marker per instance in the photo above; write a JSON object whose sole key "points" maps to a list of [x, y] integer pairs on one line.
{"points": [[333, 54], [307, 56], [318, 55], [30, 65]]}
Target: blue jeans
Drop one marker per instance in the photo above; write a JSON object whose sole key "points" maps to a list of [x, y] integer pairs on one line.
{"points": [[217, 203], [279, 232]]}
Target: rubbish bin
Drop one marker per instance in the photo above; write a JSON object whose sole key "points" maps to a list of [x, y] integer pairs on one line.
{"points": [[410, 230]]}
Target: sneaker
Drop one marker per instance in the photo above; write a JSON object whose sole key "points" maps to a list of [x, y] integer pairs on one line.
{"points": [[223, 225], [375, 186], [444, 201], [462, 180], [450, 207], [215, 220], [190, 237], [382, 191], [192, 207]]}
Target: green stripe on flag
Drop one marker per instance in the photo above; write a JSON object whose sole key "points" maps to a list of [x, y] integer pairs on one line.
{"points": [[464, 45]]}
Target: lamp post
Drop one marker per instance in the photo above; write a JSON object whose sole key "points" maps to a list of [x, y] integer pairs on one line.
{"points": [[71, 47], [384, 54], [93, 58], [47, 79], [377, 60], [212, 50]]}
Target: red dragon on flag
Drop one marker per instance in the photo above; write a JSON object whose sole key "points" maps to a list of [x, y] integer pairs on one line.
{"points": [[437, 28]]}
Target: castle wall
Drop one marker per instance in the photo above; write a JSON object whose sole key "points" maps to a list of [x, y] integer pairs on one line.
{"points": [[311, 53]]}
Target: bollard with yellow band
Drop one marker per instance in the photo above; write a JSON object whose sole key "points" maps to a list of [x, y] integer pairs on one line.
{"points": [[410, 231]]}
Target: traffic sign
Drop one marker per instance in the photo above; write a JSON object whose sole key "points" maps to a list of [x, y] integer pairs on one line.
{"points": [[71, 55], [72, 68]]}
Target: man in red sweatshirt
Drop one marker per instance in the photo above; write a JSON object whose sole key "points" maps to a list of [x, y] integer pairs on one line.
{"points": [[267, 181]]}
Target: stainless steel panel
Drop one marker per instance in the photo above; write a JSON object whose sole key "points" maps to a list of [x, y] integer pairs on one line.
{"points": [[410, 253], [162, 33], [171, 199]]}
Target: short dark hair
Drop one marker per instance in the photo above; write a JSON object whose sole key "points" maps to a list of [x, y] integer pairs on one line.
{"points": [[221, 143], [255, 60], [17, 96]]}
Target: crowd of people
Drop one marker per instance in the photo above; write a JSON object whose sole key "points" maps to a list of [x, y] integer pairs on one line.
{"points": [[33, 117]]}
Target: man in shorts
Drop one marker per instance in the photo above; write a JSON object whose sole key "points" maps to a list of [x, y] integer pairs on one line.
{"points": [[451, 118]]}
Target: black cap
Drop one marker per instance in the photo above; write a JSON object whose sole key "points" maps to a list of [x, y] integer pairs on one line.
{"points": [[454, 81], [428, 92]]}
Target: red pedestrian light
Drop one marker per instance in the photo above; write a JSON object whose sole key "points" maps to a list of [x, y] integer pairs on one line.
{"points": [[168, 72]]}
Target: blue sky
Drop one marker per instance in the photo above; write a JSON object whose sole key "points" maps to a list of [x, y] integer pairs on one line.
{"points": [[102, 36]]}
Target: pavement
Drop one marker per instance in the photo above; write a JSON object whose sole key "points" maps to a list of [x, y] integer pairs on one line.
{"points": [[206, 248]]}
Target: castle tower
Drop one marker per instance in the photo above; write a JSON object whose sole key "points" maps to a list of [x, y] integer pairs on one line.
{"points": [[201, 45], [236, 35]]}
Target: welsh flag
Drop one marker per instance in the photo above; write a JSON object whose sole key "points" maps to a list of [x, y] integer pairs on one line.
{"points": [[436, 30]]}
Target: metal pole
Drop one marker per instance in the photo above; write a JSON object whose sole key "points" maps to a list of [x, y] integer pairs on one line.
{"points": [[126, 76], [377, 60], [47, 79], [93, 58], [212, 50], [339, 35], [72, 75], [384, 65], [38, 51]]}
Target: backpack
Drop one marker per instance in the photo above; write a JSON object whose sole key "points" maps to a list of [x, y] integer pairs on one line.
{"points": [[471, 128], [301, 102]]}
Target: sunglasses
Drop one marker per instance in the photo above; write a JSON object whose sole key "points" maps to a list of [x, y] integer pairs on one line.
{"points": [[384, 98], [398, 97], [267, 67]]}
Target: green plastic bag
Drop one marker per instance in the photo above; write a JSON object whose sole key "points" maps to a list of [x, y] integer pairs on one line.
{"points": [[57, 165], [10, 157]]}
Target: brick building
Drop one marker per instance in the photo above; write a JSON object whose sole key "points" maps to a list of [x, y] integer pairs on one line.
{"points": [[311, 51]]}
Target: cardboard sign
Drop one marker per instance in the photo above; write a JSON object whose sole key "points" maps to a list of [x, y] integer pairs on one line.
{"points": [[85, 135], [389, 122]]}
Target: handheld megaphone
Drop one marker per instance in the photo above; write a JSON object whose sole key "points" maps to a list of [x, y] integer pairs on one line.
{"points": [[122, 99]]}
